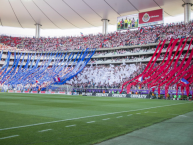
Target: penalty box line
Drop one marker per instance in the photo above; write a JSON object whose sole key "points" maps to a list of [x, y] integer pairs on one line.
{"points": [[85, 117]]}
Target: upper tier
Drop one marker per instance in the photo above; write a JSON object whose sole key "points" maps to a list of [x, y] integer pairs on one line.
{"points": [[117, 40]]}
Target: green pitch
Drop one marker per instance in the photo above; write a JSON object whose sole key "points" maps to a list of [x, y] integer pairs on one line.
{"points": [[74, 120]]}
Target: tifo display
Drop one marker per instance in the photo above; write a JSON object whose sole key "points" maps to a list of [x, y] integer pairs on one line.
{"points": [[38, 72], [176, 73]]}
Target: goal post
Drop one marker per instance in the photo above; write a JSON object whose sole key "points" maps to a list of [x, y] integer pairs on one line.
{"points": [[61, 88]]}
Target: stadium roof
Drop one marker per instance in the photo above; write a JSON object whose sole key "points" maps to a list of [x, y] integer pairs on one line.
{"points": [[66, 14]]}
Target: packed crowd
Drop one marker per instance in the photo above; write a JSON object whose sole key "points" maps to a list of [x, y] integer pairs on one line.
{"points": [[117, 39], [129, 57], [120, 59], [110, 76], [106, 76], [174, 86], [135, 58], [34, 85], [102, 76], [124, 51], [5, 47], [113, 76]]}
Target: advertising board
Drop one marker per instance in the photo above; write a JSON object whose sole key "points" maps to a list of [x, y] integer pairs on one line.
{"points": [[151, 18]]}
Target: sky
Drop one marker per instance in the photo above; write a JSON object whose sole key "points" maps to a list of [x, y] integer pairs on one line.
{"points": [[24, 32]]}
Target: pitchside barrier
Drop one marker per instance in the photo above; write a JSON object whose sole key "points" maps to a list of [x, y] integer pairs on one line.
{"points": [[85, 94], [107, 90], [11, 91], [116, 95], [41, 92], [142, 96]]}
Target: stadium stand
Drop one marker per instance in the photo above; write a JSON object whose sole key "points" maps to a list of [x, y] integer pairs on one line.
{"points": [[117, 39], [121, 55]]}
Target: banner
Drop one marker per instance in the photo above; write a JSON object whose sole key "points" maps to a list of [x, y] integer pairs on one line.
{"points": [[34, 92], [115, 95], [87, 94], [127, 22], [61, 92], [102, 94], [17, 91], [11, 91], [138, 96], [110, 95], [43, 92], [119, 95], [151, 18], [26, 92]]}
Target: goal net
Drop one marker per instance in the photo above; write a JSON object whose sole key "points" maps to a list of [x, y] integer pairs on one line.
{"points": [[62, 88]]}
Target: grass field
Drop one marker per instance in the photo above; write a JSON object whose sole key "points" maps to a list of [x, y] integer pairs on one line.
{"points": [[62, 120]]}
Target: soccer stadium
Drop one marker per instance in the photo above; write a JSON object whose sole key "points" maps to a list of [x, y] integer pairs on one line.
{"points": [[104, 72]]}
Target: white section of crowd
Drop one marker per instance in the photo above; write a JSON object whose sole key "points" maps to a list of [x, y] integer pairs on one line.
{"points": [[106, 76]]}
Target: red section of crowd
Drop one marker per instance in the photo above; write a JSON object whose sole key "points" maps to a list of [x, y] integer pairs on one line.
{"points": [[169, 72]]}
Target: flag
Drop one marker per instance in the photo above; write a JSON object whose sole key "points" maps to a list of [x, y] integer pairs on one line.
{"points": [[184, 81], [141, 30], [81, 33], [58, 79], [140, 79], [145, 31]]}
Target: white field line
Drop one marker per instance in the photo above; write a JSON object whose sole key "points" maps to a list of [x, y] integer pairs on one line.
{"points": [[129, 114], [86, 117], [91, 122], [183, 116], [71, 125], [147, 112], [174, 114], [106, 119], [119, 116], [9, 137], [44, 130]]}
